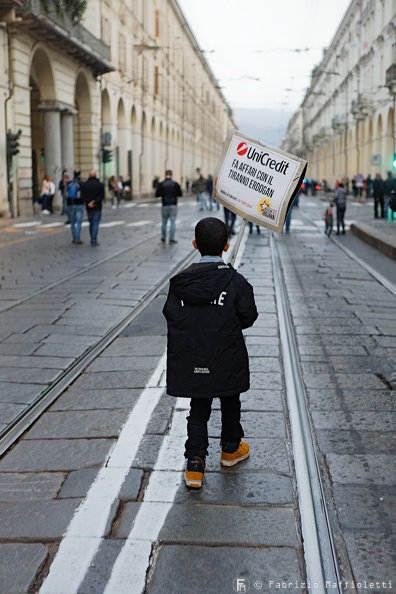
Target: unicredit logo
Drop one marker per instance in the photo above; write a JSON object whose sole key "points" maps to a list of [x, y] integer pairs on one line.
{"points": [[242, 148], [262, 157]]}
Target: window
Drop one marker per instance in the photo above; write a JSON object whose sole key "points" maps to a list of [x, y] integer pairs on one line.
{"points": [[157, 23]]}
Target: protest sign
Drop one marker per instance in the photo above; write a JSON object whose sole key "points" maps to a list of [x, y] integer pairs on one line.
{"points": [[256, 181]]}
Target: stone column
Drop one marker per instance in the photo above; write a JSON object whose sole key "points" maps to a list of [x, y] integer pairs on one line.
{"points": [[52, 140], [67, 140]]}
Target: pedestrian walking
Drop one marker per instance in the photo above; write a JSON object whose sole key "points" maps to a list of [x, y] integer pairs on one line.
{"points": [[389, 187], [169, 190], [93, 195], [208, 306], [369, 186], [200, 187], [340, 200], [62, 187], [75, 206], [378, 195], [329, 219]]}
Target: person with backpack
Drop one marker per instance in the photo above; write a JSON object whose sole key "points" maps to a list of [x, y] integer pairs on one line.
{"points": [[75, 206], [93, 194]]}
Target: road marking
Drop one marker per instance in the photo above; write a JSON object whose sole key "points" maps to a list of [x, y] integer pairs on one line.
{"points": [[29, 224], [139, 224], [87, 528], [112, 224]]}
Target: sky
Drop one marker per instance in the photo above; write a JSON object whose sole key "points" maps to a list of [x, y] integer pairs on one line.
{"points": [[251, 46]]}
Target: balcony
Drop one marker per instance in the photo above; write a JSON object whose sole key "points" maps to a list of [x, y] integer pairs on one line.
{"points": [[390, 79], [59, 31], [339, 122], [361, 107]]}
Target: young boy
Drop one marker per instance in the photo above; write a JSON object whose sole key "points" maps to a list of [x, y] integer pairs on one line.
{"points": [[328, 219], [208, 306]]}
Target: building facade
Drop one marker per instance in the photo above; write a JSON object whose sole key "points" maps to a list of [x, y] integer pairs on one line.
{"points": [[129, 78], [346, 123]]}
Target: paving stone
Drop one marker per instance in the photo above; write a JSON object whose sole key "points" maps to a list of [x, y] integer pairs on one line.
{"points": [[30, 486], [59, 337], [9, 411], [56, 455], [116, 363], [76, 399], [114, 380], [19, 565], [29, 376], [214, 569], [138, 346], [358, 400], [245, 488], [265, 381], [35, 362], [265, 365], [358, 420], [61, 350], [356, 442], [148, 450], [354, 381], [78, 424], [373, 559], [262, 400], [36, 520], [262, 341], [162, 415], [229, 526], [362, 469], [21, 348], [100, 569], [77, 483], [366, 508], [361, 365], [255, 424]]}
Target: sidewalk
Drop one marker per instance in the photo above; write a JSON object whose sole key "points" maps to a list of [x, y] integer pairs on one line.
{"points": [[378, 233]]}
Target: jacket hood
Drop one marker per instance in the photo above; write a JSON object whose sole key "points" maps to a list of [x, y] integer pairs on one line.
{"points": [[202, 283]]}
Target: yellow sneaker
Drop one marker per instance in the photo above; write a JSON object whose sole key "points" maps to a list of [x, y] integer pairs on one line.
{"points": [[194, 472], [241, 454]]}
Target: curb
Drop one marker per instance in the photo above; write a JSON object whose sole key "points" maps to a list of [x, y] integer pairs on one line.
{"points": [[386, 245]]}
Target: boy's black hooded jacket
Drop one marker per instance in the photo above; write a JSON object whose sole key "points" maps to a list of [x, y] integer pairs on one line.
{"points": [[207, 307]]}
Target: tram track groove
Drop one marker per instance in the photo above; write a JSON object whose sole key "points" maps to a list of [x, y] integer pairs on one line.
{"points": [[319, 548]]}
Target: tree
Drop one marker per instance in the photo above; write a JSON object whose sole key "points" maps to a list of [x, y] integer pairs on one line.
{"points": [[73, 8]]}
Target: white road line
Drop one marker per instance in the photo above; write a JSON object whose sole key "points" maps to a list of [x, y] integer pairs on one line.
{"points": [[129, 571], [112, 224], [50, 225], [29, 224], [139, 224], [86, 530]]}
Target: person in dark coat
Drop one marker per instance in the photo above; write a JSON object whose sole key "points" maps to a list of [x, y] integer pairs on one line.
{"points": [[93, 194], [378, 195], [208, 306], [340, 200], [169, 190]]}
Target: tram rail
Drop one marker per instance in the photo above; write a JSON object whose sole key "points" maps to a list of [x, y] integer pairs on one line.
{"points": [[27, 417]]}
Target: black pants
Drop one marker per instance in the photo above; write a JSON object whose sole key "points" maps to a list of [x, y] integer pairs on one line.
{"points": [[197, 424], [340, 217], [379, 202]]}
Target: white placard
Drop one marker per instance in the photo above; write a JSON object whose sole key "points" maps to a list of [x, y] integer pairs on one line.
{"points": [[256, 181]]}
